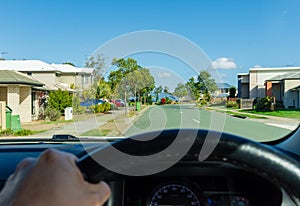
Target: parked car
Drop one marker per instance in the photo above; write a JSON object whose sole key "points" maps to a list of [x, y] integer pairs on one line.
{"points": [[118, 102], [90, 102]]}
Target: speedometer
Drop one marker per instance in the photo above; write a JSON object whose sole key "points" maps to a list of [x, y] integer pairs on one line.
{"points": [[174, 195]]}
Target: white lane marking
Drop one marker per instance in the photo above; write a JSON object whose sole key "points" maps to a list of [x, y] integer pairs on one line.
{"points": [[289, 127], [196, 121]]}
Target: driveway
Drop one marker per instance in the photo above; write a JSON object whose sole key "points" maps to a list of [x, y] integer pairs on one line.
{"points": [[77, 128]]}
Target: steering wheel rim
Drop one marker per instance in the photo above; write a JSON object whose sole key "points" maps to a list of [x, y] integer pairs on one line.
{"points": [[261, 160]]}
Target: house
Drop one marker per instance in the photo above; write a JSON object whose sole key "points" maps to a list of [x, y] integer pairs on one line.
{"points": [[74, 77], [285, 88], [223, 89], [16, 91], [243, 86], [280, 82], [51, 77]]}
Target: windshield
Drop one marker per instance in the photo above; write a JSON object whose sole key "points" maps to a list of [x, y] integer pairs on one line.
{"points": [[119, 68]]}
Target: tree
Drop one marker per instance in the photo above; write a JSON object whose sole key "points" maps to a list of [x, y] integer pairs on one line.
{"points": [[166, 90], [131, 78], [181, 90], [193, 87], [98, 63], [97, 90], [158, 90], [125, 66], [146, 83], [69, 63], [232, 92], [206, 82], [100, 88]]}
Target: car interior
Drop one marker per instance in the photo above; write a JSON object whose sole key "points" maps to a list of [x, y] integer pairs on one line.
{"points": [[237, 172]]}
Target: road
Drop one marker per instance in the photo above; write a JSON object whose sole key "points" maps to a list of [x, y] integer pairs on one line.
{"points": [[187, 116]]}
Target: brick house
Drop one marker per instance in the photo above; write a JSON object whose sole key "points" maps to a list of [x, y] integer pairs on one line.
{"points": [[16, 91], [285, 88]]}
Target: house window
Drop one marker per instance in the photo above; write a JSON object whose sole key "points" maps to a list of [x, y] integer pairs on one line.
{"points": [[85, 79]]}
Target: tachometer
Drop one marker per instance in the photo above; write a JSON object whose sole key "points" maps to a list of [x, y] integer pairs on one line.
{"points": [[174, 195]]}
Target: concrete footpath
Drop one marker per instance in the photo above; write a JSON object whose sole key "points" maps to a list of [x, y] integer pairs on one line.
{"points": [[77, 128]]}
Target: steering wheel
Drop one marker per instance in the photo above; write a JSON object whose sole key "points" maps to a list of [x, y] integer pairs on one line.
{"points": [[262, 160]]}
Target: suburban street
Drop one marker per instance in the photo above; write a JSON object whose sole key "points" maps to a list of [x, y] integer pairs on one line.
{"points": [[187, 116], [181, 116]]}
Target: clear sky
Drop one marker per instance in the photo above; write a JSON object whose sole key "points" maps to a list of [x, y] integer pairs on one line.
{"points": [[235, 34]]}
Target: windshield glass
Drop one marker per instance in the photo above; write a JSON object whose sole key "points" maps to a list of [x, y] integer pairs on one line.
{"points": [[119, 68]]}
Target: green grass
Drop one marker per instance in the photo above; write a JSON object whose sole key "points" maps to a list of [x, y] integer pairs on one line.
{"points": [[57, 121], [230, 111], [245, 115], [22, 132], [286, 113], [97, 132]]}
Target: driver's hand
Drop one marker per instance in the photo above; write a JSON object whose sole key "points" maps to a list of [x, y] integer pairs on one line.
{"points": [[51, 179]]}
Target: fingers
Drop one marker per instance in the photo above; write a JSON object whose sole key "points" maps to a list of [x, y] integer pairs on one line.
{"points": [[52, 155], [100, 193], [26, 163]]}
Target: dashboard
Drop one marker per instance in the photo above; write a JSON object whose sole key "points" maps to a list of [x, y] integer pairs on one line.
{"points": [[186, 183], [210, 184]]}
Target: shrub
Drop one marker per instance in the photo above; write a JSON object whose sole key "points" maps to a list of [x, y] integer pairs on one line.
{"points": [[106, 106], [232, 104], [23, 132], [203, 102], [52, 113], [60, 100], [166, 100], [264, 104], [6, 132], [101, 108], [98, 108]]}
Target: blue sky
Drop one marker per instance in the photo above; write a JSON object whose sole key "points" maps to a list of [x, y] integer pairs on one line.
{"points": [[240, 33]]}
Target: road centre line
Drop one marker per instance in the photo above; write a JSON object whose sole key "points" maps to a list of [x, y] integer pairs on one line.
{"points": [[196, 121]]}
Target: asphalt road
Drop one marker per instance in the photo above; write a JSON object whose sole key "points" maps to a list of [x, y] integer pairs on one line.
{"points": [[187, 116]]}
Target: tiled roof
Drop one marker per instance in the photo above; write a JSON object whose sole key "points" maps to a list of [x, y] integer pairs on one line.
{"points": [[290, 75], [223, 85], [274, 68], [14, 77]]}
